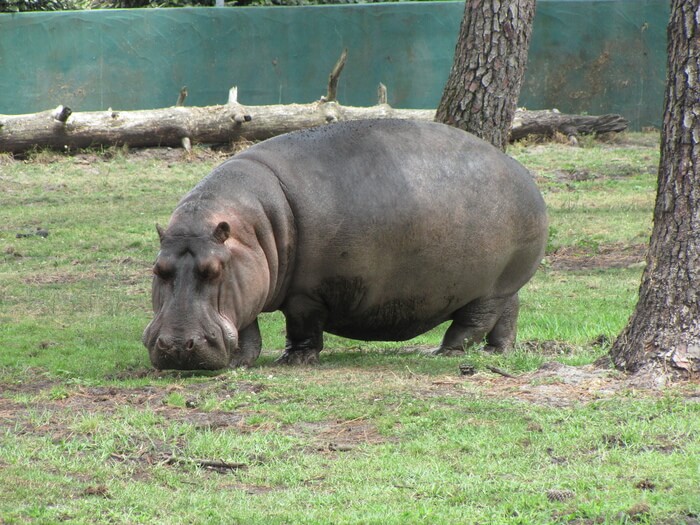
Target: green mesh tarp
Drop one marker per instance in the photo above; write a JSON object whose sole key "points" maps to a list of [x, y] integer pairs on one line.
{"points": [[586, 56]]}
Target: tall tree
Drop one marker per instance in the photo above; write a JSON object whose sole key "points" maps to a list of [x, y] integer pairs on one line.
{"points": [[663, 334], [482, 90]]}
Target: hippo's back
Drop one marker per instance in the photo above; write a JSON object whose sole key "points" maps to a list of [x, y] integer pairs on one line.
{"points": [[400, 223]]}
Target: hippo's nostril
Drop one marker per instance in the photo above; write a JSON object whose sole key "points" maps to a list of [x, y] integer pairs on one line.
{"points": [[189, 345], [161, 344]]}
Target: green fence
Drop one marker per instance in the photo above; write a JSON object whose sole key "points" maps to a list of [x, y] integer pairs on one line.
{"points": [[586, 56]]}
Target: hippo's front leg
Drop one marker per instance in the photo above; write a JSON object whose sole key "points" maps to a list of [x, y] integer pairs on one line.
{"points": [[249, 346], [305, 319]]}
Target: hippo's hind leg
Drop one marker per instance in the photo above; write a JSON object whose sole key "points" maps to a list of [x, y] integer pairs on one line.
{"points": [[493, 318], [502, 335], [305, 320], [249, 346]]}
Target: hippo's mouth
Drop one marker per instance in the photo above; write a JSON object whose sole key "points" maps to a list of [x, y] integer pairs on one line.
{"points": [[194, 349]]}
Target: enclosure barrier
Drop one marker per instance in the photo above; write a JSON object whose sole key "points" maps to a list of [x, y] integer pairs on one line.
{"points": [[586, 56]]}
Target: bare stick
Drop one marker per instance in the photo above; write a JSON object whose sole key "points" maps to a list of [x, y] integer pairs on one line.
{"points": [[499, 371], [220, 465], [381, 94], [182, 96], [205, 463], [233, 96], [335, 74]]}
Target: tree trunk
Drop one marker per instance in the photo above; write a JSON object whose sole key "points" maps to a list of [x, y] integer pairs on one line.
{"points": [[482, 90], [662, 338]]}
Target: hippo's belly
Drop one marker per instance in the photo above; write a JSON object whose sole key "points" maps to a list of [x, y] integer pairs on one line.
{"points": [[376, 309], [393, 321]]}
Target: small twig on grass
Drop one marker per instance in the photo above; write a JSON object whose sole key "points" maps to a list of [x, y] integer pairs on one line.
{"points": [[498, 371], [355, 420], [339, 447], [205, 463], [220, 465], [167, 459], [411, 372]]}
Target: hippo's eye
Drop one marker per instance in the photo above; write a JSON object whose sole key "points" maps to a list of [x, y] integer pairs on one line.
{"points": [[164, 271], [210, 270]]}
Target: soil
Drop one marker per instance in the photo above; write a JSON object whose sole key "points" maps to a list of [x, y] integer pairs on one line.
{"points": [[603, 256]]}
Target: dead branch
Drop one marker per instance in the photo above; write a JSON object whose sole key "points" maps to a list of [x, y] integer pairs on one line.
{"points": [[335, 75], [182, 96], [498, 371], [546, 123], [204, 463]]}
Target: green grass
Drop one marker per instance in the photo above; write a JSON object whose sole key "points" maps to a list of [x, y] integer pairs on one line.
{"points": [[379, 432]]}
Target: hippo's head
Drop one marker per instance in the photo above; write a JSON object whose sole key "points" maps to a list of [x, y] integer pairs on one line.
{"points": [[193, 327]]}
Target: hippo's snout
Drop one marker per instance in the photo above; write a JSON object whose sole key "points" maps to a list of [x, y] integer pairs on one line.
{"points": [[179, 348], [189, 351]]}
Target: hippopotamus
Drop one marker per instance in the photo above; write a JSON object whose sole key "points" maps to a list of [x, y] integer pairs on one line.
{"points": [[370, 230]]}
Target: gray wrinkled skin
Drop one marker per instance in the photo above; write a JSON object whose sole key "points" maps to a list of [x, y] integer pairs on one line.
{"points": [[372, 230]]}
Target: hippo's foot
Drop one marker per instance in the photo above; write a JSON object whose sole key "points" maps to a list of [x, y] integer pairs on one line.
{"points": [[304, 341], [448, 351], [298, 357], [241, 361], [249, 346], [490, 319], [491, 349]]}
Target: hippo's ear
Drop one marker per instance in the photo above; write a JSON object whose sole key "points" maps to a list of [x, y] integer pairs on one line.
{"points": [[160, 230], [222, 232]]}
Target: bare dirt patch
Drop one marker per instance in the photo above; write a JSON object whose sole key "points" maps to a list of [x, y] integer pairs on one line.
{"points": [[556, 385], [56, 278], [602, 257], [553, 385], [339, 436], [164, 154]]}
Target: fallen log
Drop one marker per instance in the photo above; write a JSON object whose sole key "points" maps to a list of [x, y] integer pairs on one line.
{"points": [[179, 125], [547, 123]]}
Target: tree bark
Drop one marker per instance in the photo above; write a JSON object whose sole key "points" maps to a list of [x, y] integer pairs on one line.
{"points": [[482, 90], [662, 339]]}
